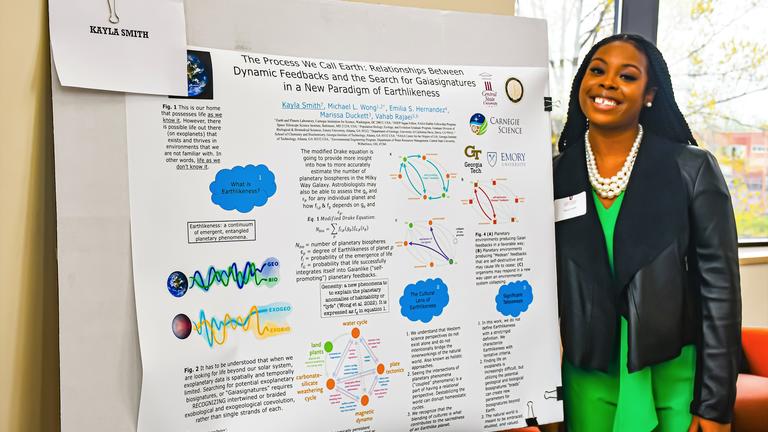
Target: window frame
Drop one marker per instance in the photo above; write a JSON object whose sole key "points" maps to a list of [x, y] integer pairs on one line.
{"points": [[642, 17]]}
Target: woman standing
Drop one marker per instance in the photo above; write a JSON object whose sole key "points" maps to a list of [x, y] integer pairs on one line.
{"points": [[648, 276]]}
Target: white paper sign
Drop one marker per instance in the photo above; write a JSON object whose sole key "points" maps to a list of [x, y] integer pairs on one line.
{"points": [[571, 206], [136, 46], [334, 245]]}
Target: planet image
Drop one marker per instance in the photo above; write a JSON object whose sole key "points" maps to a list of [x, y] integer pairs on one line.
{"points": [[197, 75], [181, 326], [177, 284]]}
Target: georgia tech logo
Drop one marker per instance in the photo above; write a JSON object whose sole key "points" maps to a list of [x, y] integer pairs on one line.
{"points": [[471, 152]]}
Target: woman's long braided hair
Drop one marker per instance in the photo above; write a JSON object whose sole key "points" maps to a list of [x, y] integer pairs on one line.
{"points": [[664, 118]]}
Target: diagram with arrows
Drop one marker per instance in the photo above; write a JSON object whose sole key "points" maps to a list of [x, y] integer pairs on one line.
{"points": [[354, 374], [494, 202], [430, 243], [423, 177]]}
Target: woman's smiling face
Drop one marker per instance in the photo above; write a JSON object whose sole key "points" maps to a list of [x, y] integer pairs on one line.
{"points": [[613, 90]]}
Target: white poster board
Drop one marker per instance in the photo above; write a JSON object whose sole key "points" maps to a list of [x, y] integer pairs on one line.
{"points": [[100, 366]]}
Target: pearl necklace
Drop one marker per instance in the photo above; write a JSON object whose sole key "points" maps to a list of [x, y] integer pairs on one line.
{"points": [[614, 186]]}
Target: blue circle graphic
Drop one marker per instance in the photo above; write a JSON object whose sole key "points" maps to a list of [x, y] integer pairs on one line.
{"points": [[177, 284]]}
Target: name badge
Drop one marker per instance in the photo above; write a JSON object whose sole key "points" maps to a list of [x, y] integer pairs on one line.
{"points": [[570, 207]]}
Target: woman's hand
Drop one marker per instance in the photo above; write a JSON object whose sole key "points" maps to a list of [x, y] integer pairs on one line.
{"points": [[704, 425]]}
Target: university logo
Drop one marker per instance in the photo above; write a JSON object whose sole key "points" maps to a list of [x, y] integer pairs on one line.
{"points": [[517, 159], [514, 89], [489, 96], [492, 157], [478, 123], [471, 152]]}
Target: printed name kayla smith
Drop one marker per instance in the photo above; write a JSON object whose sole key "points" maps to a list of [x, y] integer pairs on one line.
{"points": [[111, 31]]}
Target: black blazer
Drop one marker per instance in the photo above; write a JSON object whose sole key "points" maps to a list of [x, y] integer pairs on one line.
{"points": [[676, 270]]}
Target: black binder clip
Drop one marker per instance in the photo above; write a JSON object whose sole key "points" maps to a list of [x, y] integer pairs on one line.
{"points": [[547, 103]]}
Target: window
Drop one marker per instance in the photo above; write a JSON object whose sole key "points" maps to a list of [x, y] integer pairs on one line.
{"points": [[573, 26], [717, 51]]}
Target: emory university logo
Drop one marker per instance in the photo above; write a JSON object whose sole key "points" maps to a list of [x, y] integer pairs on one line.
{"points": [[492, 157]]}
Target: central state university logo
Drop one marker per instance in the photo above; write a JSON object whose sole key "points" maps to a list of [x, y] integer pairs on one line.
{"points": [[489, 95]]}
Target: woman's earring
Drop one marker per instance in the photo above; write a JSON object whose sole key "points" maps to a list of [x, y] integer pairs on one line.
{"points": [[649, 104]]}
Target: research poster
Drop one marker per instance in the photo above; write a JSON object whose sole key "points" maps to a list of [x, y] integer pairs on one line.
{"points": [[335, 245]]}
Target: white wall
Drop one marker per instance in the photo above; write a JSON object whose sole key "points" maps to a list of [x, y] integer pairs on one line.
{"points": [[754, 294]]}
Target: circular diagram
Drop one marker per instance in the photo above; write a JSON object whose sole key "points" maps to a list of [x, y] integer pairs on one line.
{"points": [[430, 243], [354, 374], [423, 177]]}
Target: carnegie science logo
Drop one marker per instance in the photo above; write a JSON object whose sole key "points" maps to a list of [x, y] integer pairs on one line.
{"points": [[478, 123]]}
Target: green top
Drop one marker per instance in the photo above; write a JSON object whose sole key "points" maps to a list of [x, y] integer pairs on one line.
{"points": [[634, 408], [656, 398], [608, 217]]}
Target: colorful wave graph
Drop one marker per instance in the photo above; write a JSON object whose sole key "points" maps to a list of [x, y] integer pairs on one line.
{"points": [[268, 274], [263, 321]]}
